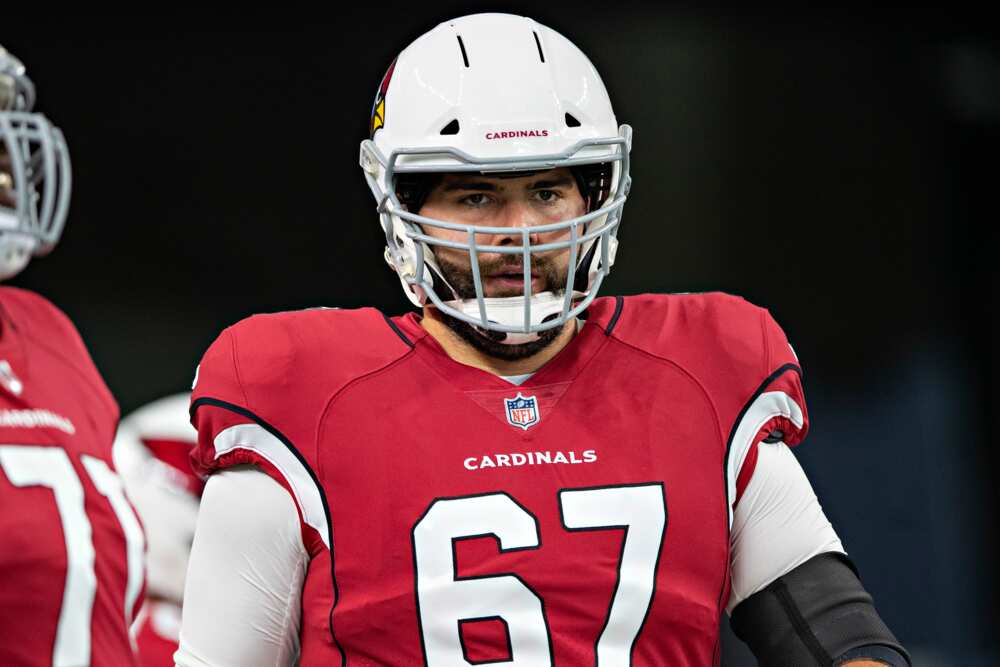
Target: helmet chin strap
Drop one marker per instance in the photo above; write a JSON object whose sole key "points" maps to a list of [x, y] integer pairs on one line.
{"points": [[509, 311]]}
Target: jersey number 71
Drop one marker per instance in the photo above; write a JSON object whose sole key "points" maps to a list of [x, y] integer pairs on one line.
{"points": [[50, 467]]}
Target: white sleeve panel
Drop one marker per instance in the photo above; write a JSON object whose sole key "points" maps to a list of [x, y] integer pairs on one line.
{"points": [[242, 599], [765, 407], [308, 495], [777, 525]]}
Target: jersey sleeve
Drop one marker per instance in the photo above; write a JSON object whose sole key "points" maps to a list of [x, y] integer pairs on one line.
{"points": [[238, 411], [775, 411], [741, 358], [218, 403], [242, 601], [784, 383]]}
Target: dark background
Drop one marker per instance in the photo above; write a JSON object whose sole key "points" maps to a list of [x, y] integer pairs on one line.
{"points": [[837, 167]]}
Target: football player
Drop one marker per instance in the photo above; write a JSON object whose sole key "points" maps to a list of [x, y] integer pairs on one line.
{"points": [[71, 557], [522, 473], [152, 455]]}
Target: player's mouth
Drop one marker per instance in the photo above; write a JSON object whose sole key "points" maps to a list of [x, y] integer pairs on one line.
{"points": [[511, 281]]}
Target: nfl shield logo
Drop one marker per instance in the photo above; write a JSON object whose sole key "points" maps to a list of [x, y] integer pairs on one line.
{"points": [[522, 411]]}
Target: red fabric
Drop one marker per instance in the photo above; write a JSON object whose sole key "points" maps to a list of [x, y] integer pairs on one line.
{"points": [[746, 471], [791, 434], [392, 431], [485, 641], [156, 636], [177, 455], [58, 380], [779, 424]]}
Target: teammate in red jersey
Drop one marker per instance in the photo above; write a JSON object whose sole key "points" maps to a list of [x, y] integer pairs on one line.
{"points": [[522, 474], [71, 557], [152, 455]]}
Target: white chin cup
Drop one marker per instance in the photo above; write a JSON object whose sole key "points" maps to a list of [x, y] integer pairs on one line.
{"points": [[16, 250], [509, 311]]}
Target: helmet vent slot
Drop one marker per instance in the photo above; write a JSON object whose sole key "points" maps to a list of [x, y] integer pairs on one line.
{"points": [[451, 128], [465, 57], [571, 120], [538, 43]]}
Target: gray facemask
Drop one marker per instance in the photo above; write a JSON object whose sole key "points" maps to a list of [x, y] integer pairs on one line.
{"points": [[35, 176]]}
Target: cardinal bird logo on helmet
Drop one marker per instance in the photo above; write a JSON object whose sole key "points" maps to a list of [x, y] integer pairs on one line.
{"points": [[378, 109]]}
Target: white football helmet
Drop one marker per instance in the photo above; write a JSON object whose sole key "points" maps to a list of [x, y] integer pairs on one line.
{"points": [[496, 94], [150, 453], [34, 169]]}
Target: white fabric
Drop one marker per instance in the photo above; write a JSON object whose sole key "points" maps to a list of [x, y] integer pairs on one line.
{"points": [[248, 564], [517, 379], [254, 438], [162, 615], [242, 601], [158, 491], [165, 617], [765, 407], [164, 419], [778, 524]]}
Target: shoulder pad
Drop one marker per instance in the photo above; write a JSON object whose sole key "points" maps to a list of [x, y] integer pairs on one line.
{"points": [[294, 354], [679, 325], [44, 324], [732, 348]]}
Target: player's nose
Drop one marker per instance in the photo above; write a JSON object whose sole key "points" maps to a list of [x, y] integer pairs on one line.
{"points": [[518, 217]]}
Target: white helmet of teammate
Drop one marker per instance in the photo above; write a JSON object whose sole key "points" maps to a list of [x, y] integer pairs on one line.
{"points": [[150, 453], [495, 94], [35, 174]]}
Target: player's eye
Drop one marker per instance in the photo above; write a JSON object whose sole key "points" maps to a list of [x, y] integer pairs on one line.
{"points": [[547, 196], [476, 200]]}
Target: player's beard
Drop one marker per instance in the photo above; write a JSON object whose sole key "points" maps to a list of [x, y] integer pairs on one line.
{"points": [[459, 276]]}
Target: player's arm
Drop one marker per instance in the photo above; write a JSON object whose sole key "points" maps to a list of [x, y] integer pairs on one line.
{"points": [[242, 598], [248, 560], [796, 598]]}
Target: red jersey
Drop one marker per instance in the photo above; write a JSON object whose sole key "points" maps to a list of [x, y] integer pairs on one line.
{"points": [[453, 518], [71, 553], [157, 632]]}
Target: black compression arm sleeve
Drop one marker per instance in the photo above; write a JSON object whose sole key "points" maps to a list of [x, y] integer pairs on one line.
{"points": [[814, 615]]}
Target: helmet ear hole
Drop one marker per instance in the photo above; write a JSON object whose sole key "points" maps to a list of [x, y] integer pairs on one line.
{"points": [[571, 120], [412, 189], [583, 269], [450, 128], [594, 182]]}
